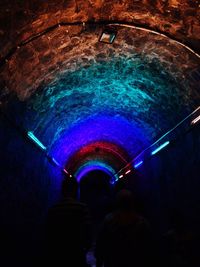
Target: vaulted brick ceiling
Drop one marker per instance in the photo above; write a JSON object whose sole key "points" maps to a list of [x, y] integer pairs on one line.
{"points": [[21, 20], [56, 74]]}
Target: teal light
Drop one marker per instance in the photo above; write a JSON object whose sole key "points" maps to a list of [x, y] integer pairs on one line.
{"points": [[159, 148], [94, 165], [35, 140]]}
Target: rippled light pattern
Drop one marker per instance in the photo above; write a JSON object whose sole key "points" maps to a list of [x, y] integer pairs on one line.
{"points": [[121, 100]]}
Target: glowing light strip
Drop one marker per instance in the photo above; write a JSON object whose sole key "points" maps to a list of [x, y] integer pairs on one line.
{"points": [[176, 126], [67, 173], [160, 147], [138, 164], [128, 172], [196, 120], [121, 176], [55, 162], [35, 140]]}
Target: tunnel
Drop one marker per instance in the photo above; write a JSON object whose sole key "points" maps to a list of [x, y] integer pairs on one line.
{"points": [[97, 89]]}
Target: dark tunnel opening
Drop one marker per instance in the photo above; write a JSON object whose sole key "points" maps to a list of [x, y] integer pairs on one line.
{"points": [[97, 191]]}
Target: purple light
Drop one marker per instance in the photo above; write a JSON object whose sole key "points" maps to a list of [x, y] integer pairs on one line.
{"points": [[116, 130], [66, 171]]}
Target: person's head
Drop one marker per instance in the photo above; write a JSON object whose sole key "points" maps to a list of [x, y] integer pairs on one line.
{"points": [[124, 200], [69, 186]]}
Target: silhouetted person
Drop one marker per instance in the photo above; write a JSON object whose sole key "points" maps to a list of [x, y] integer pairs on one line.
{"points": [[178, 244], [68, 229], [124, 239]]}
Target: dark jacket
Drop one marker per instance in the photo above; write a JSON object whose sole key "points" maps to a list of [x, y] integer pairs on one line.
{"points": [[68, 234], [124, 241]]}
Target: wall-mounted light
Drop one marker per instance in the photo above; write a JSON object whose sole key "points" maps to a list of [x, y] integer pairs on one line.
{"points": [[107, 36], [35, 140], [52, 160], [138, 164], [197, 119], [65, 171], [55, 162], [121, 176], [159, 148]]}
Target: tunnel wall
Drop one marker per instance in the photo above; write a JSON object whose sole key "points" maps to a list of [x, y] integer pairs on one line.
{"points": [[169, 180], [26, 191]]}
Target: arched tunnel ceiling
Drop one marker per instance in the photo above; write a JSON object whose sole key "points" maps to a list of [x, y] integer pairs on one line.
{"points": [[21, 19], [72, 90]]}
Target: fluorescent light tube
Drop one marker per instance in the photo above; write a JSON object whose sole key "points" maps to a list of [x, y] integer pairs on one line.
{"points": [[160, 147], [138, 164], [35, 140], [196, 120]]}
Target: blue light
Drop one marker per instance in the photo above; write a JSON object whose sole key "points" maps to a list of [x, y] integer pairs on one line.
{"points": [[127, 172], [160, 147], [55, 162], [138, 164], [35, 140]]}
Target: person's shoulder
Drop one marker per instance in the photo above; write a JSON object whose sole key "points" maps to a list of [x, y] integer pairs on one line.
{"points": [[142, 219], [80, 204], [109, 217], [142, 222], [67, 202], [80, 207]]}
